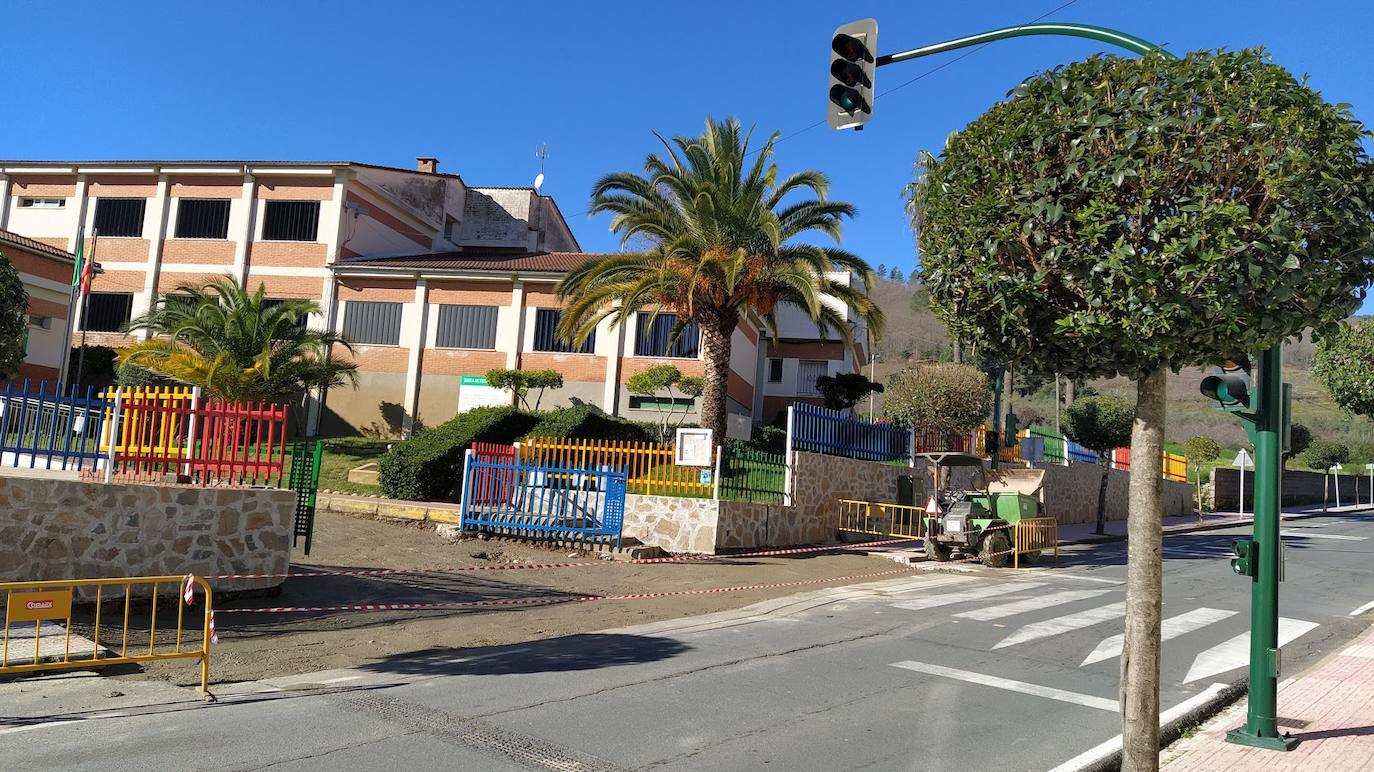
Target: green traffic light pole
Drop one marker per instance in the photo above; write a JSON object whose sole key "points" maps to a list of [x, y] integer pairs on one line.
{"points": [[1264, 427]]}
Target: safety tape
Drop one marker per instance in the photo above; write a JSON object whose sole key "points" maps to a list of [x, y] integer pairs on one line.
{"points": [[530, 566], [544, 601]]}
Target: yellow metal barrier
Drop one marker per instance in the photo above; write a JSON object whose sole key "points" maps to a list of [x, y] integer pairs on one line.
{"points": [[1175, 467], [876, 519], [57, 601], [649, 469], [1034, 534]]}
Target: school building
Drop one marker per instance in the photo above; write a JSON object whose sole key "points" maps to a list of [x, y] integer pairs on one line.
{"points": [[435, 281]]}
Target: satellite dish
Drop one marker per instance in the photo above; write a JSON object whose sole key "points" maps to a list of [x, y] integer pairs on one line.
{"points": [[538, 181]]}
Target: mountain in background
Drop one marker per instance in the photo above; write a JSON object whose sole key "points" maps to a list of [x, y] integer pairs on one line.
{"points": [[913, 334]]}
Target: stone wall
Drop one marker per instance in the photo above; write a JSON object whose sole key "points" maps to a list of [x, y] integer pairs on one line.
{"points": [[1296, 488], [55, 528], [672, 523], [1070, 493]]}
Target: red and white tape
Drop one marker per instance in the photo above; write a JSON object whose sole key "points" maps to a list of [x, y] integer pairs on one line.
{"points": [[188, 595], [534, 566], [544, 601]]}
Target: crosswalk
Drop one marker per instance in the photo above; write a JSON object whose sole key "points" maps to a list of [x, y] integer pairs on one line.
{"points": [[1002, 603]]}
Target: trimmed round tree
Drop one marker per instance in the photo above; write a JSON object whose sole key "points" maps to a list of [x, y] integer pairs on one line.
{"points": [[1100, 424], [1344, 363], [1135, 216], [1197, 450], [939, 397]]}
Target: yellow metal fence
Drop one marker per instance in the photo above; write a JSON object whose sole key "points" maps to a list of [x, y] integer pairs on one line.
{"points": [[80, 640], [649, 468], [1175, 467], [876, 519], [1034, 534], [172, 404]]}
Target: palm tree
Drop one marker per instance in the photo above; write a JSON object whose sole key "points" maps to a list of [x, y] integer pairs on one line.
{"points": [[720, 241], [236, 345]]}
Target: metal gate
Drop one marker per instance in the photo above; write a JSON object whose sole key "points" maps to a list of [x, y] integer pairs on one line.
{"points": [[503, 496], [305, 481]]}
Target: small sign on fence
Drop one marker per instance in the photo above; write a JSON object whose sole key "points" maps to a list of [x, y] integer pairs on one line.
{"points": [[36, 606]]}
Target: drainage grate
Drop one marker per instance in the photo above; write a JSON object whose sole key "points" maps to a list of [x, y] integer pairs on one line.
{"points": [[528, 751]]}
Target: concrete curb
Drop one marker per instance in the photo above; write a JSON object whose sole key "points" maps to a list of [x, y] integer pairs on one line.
{"points": [[1109, 538], [1107, 756]]}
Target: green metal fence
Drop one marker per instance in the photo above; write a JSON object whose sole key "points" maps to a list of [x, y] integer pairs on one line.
{"points": [[752, 475], [304, 479]]}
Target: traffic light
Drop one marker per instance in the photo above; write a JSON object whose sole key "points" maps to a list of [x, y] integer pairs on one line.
{"points": [[1234, 387], [1246, 560], [853, 64]]}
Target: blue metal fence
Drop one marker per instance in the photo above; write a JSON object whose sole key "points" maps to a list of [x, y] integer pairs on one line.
{"points": [[832, 432], [42, 429], [1079, 453], [543, 501]]}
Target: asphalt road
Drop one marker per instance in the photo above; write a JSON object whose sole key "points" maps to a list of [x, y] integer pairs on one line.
{"points": [[979, 670]]}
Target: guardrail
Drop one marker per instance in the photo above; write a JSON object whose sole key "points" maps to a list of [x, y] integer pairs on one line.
{"points": [[60, 601], [881, 519], [1034, 534]]}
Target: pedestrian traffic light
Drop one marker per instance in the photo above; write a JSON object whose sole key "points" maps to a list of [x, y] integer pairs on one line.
{"points": [[853, 58], [1234, 387], [1246, 560]]}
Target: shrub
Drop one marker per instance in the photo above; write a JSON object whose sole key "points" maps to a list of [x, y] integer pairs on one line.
{"points": [[770, 439], [1324, 454], [588, 422], [1200, 449], [429, 466], [938, 397]]}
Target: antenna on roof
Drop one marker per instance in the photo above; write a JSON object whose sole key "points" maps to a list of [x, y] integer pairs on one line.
{"points": [[542, 152]]}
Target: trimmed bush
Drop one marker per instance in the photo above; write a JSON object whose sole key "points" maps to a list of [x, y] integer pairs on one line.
{"points": [[429, 466], [586, 422], [770, 439]]}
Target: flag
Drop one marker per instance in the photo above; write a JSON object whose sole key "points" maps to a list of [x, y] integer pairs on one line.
{"points": [[88, 267], [80, 250]]}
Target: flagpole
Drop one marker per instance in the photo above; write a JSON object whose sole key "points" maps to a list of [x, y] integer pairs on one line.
{"points": [[65, 366], [85, 290]]}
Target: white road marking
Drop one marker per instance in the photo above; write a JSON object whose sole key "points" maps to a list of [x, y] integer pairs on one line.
{"points": [[1236, 652], [340, 679], [1093, 757], [1090, 578], [1301, 535], [1086, 700], [1030, 604], [1362, 609], [948, 598], [40, 725], [1172, 627], [1064, 624]]}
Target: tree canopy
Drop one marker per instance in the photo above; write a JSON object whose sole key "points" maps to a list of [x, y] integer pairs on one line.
{"points": [[1100, 424], [718, 233], [1324, 454], [1344, 364], [1200, 449], [843, 391], [938, 397], [237, 345], [14, 319], [520, 382], [1117, 216]]}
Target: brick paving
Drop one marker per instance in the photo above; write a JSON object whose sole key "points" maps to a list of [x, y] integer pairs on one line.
{"points": [[1330, 708]]}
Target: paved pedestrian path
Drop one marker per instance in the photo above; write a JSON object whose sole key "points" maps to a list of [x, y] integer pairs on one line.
{"points": [[1329, 709]]}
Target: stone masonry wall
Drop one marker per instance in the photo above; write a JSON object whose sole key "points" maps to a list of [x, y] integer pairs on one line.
{"points": [[60, 528], [671, 523], [1070, 493], [1296, 487]]}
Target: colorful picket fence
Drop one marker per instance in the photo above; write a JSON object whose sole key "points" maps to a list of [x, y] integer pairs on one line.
{"points": [[649, 468], [836, 433], [57, 429]]}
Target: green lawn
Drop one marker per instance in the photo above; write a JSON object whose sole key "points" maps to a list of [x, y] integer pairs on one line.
{"points": [[344, 453]]}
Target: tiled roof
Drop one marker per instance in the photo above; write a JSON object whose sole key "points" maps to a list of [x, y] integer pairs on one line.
{"points": [[543, 262], [35, 246], [19, 163]]}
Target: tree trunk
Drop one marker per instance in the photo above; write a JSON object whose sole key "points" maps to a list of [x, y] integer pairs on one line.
{"points": [[715, 342], [1144, 579], [1102, 496]]}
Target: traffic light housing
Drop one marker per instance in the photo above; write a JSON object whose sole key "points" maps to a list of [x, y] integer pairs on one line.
{"points": [[1235, 388], [1246, 560], [853, 64]]}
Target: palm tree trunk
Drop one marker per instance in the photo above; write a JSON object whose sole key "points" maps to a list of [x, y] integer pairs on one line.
{"points": [[1144, 580], [715, 342]]}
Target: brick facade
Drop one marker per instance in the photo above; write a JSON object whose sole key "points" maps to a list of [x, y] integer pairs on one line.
{"points": [[203, 251]]}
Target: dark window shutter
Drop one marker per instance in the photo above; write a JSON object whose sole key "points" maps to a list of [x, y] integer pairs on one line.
{"points": [[202, 218], [546, 334], [464, 326], [655, 339], [372, 322], [119, 216], [290, 220]]}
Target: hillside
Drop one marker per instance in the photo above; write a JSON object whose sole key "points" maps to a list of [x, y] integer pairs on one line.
{"points": [[913, 335]]}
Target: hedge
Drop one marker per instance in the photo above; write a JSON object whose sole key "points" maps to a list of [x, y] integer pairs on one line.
{"points": [[591, 423], [429, 466]]}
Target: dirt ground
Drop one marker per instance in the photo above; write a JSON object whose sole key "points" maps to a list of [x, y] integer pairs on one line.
{"points": [[256, 646]]}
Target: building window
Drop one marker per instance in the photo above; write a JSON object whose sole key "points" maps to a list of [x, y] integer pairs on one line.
{"points": [[775, 370], [42, 203], [203, 218], [654, 337], [808, 373], [546, 334], [462, 326], [372, 322], [107, 311], [119, 216], [42, 322], [674, 405], [290, 220], [301, 320]]}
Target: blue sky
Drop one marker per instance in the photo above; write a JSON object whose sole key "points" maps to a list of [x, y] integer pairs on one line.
{"points": [[481, 85]]}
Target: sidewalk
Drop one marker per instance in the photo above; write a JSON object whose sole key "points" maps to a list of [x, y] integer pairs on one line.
{"points": [[1329, 708], [1082, 533]]}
